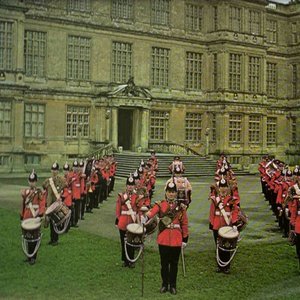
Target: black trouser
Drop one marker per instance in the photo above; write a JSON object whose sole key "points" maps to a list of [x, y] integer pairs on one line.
{"points": [[130, 250], [53, 234], [112, 183], [169, 257], [83, 202], [103, 190], [97, 196], [298, 245], [90, 201], [70, 221], [77, 210], [223, 255], [31, 247]]}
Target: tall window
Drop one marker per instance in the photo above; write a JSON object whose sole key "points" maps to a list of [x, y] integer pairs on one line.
{"points": [[215, 17], [5, 118], [271, 130], [35, 53], [271, 31], [254, 22], [158, 123], [193, 17], [121, 62], [215, 71], [79, 5], [254, 129], [34, 120], [235, 18], [272, 79], [294, 33], [294, 80], [254, 74], [79, 57], [6, 43], [193, 70], [213, 127], [160, 12], [235, 71], [193, 127], [122, 9], [32, 159], [235, 128], [160, 67], [4, 160], [78, 121], [294, 130]]}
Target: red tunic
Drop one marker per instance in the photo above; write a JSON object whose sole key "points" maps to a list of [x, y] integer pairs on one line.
{"points": [[76, 186], [32, 202], [122, 211], [295, 214], [178, 228], [230, 204]]}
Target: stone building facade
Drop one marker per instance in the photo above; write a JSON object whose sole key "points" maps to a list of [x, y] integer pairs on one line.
{"points": [[216, 76]]}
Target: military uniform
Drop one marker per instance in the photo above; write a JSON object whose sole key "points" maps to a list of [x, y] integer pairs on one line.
{"points": [[33, 206], [224, 210], [172, 235], [54, 192], [126, 214]]}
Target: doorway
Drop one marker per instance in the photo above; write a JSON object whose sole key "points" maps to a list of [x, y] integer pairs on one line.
{"points": [[125, 121]]}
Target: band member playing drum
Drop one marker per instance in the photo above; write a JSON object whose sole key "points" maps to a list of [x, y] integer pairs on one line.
{"points": [[126, 214], [33, 206], [54, 187], [224, 211], [172, 235]]}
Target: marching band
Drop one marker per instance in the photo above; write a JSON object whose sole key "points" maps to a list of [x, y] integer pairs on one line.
{"points": [[66, 198]]}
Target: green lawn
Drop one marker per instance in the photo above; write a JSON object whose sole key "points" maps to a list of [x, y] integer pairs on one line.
{"points": [[86, 263]]}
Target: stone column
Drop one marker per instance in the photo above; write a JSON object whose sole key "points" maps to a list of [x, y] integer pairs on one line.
{"points": [[18, 135], [114, 126], [144, 129]]}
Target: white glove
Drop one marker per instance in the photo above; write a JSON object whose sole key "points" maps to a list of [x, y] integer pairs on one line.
{"points": [[234, 228], [183, 245], [144, 219]]}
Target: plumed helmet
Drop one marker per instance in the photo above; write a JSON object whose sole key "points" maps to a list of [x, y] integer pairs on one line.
{"points": [[81, 164], [75, 163], [55, 166], [136, 175], [66, 167], [130, 180], [32, 176], [171, 187]]}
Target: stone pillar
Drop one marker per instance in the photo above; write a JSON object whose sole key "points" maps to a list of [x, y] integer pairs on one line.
{"points": [[144, 129], [114, 127], [18, 136]]}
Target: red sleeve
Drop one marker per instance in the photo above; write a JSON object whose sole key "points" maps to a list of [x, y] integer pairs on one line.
{"points": [[118, 206], [153, 211], [184, 224], [293, 210]]}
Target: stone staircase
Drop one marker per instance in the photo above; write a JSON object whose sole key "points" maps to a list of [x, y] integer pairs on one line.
{"points": [[195, 165]]}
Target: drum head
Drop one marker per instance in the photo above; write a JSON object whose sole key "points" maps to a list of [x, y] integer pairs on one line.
{"points": [[228, 232], [31, 224], [53, 207], [135, 228]]}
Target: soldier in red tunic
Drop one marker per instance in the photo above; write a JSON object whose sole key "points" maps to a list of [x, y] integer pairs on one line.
{"points": [[76, 193], [126, 214], [67, 192], [33, 206], [172, 235], [224, 211]]}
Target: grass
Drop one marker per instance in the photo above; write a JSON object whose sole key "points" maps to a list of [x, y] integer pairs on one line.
{"points": [[86, 264]]}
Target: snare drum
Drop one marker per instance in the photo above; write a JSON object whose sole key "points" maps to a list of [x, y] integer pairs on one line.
{"points": [[135, 234], [227, 238], [151, 225], [31, 229], [58, 212]]}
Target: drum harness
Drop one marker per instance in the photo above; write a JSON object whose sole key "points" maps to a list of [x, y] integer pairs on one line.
{"points": [[34, 209], [66, 223], [219, 204]]}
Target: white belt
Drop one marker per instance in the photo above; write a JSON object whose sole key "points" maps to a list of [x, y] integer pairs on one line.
{"points": [[173, 226], [77, 184], [35, 206], [218, 213], [127, 212], [298, 213]]}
